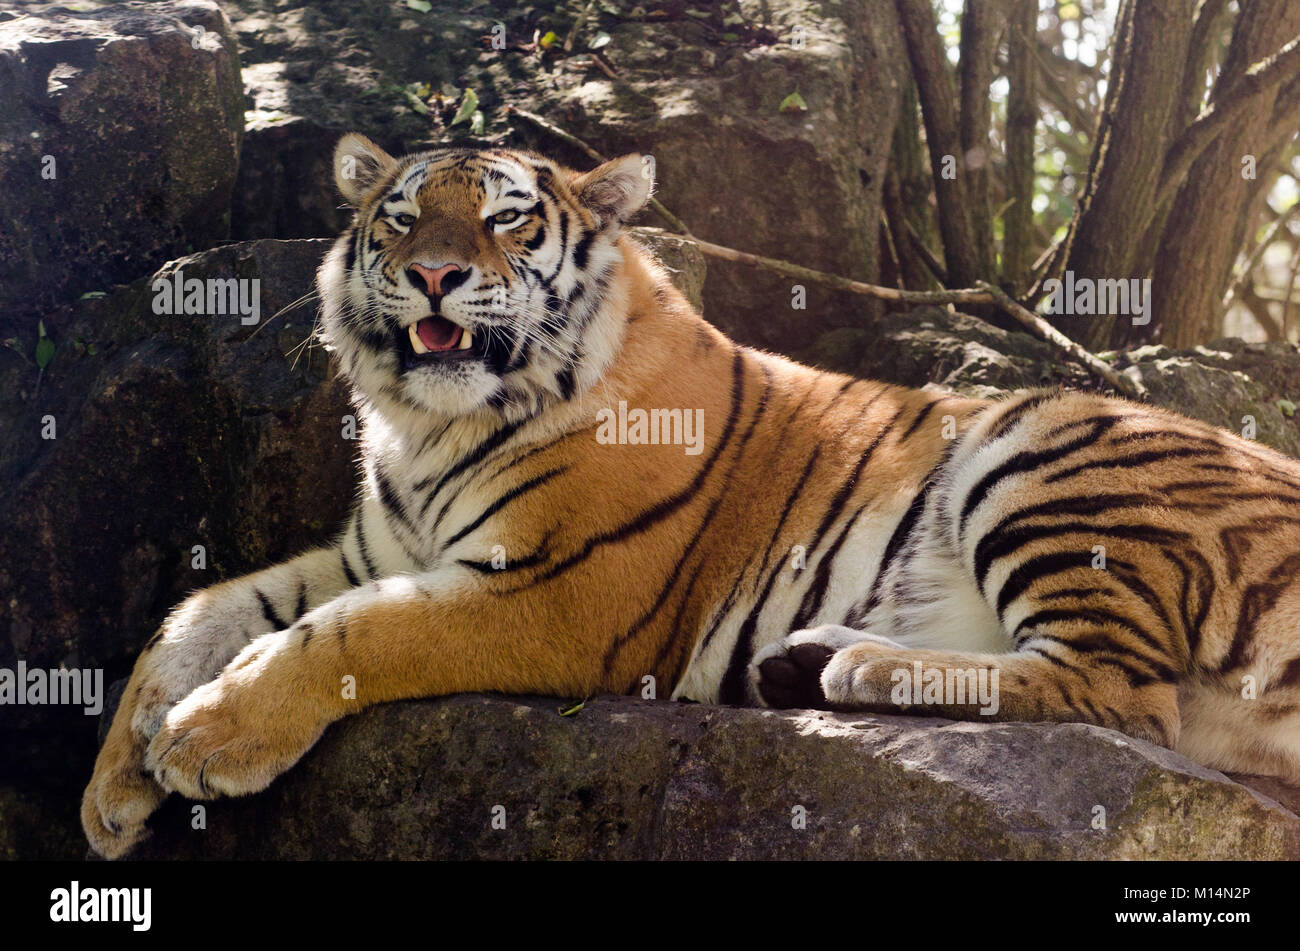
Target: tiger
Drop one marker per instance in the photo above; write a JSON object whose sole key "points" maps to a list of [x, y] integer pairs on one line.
{"points": [[829, 543]]}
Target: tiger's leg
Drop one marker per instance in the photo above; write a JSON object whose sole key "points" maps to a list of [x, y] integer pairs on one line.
{"points": [[196, 641], [1046, 679], [401, 637]]}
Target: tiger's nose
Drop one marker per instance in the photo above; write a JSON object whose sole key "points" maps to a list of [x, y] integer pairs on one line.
{"points": [[439, 281]]}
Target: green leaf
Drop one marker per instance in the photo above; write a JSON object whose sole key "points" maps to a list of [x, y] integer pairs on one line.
{"points": [[733, 19], [571, 710], [44, 352], [548, 40], [698, 14], [476, 124], [424, 6], [93, 295], [793, 103], [598, 41], [1287, 407], [728, 37], [468, 103], [414, 99]]}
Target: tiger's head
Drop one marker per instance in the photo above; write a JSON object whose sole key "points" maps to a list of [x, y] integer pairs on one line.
{"points": [[475, 281]]}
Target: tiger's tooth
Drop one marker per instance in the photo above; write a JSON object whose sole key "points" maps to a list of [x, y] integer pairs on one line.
{"points": [[466, 340], [416, 344]]}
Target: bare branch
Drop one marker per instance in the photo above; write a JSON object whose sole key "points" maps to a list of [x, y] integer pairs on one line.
{"points": [[982, 293]]}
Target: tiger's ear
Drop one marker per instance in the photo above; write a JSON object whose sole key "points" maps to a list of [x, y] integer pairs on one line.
{"points": [[618, 189], [358, 165]]}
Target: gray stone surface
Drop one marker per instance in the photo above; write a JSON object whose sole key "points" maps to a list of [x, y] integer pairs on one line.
{"points": [[140, 108], [631, 779]]}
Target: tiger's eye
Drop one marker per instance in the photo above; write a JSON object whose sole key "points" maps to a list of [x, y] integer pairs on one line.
{"points": [[507, 217], [404, 219]]}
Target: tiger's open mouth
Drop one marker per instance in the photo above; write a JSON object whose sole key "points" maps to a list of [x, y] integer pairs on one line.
{"points": [[434, 339]]}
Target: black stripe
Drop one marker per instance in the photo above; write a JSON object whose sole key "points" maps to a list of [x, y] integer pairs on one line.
{"points": [[795, 492], [760, 410], [388, 495], [537, 240], [302, 600], [564, 247], [1129, 462], [350, 261], [564, 380], [364, 550], [268, 612], [921, 418], [352, 579], [522, 489], [667, 507], [1036, 568], [1024, 462], [816, 593], [1016, 413], [476, 455], [582, 249], [993, 547]]}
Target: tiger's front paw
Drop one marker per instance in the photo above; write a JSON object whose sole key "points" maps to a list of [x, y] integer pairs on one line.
{"points": [[232, 736], [121, 794]]}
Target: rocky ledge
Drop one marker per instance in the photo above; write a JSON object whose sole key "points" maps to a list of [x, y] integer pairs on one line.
{"points": [[511, 778]]}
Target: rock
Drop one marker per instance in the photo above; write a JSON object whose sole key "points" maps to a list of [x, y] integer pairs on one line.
{"points": [[630, 779], [682, 258], [939, 347], [170, 432], [701, 95], [1224, 383], [118, 143], [30, 827], [1221, 383]]}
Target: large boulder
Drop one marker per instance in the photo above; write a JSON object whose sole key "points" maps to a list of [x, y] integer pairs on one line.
{"points": [[119, 138], [491, 777], [700, 89]]}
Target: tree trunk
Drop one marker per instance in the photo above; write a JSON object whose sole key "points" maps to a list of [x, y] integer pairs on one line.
{"points": [[1022, 120], [935, 88], [1210, 218], [1139, 120]]}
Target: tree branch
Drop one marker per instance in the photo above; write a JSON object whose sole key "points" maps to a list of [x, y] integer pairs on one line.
{"points": [[982, 293], [1260, 78]]}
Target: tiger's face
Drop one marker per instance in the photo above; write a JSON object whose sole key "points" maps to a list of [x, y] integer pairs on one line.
{"points": [[475, 280]]}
